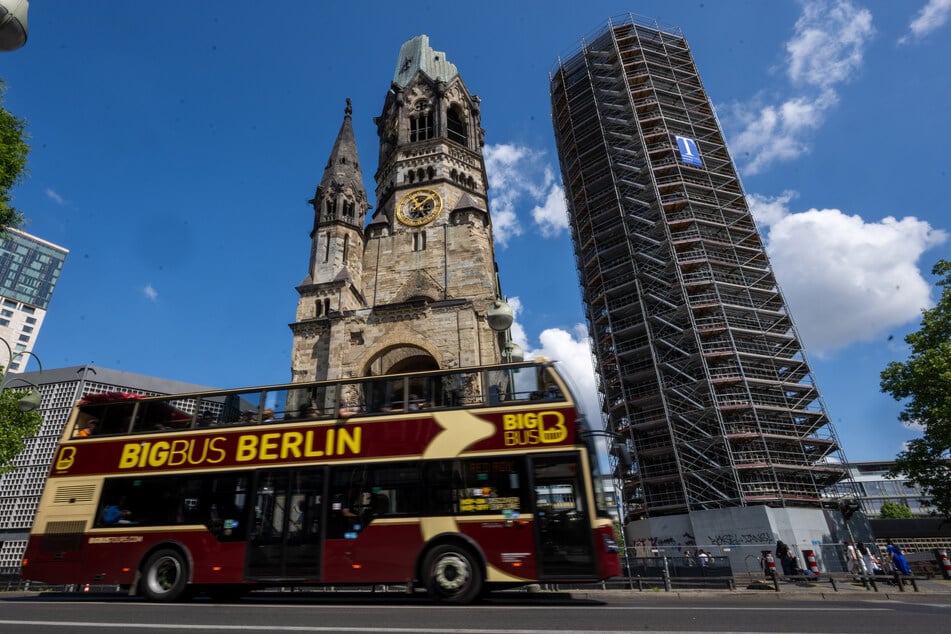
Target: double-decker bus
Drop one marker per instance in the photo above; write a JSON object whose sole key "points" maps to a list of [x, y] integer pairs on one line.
{"points": [[457, 482]]}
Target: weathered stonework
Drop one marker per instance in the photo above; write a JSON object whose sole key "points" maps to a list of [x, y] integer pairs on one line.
{"points": [[387, 296]]}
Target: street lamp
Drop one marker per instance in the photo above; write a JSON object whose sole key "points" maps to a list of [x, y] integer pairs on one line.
{"points": [[32, 399], [500, 317], [13, 24]]}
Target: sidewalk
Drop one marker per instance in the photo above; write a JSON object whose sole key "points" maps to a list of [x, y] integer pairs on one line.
{"points": [[821, 589]]}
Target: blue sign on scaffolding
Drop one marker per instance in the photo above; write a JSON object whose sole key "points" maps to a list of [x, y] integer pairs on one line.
{"points": [[689, 152]]}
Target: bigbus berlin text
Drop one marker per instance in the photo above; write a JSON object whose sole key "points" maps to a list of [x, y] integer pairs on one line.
{"points": [[247, 448]]}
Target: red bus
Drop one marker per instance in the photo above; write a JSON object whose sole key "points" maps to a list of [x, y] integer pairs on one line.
{"points": [[454, 482]]}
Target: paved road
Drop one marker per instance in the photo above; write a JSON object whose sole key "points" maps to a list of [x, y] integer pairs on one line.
{"points": [[515, 613]]}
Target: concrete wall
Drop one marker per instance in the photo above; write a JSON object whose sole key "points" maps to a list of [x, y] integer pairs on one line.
{"points": [[742, 534]]}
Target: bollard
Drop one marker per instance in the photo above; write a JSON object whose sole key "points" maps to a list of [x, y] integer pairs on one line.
{"points": [[811, 562], [899, 581]]}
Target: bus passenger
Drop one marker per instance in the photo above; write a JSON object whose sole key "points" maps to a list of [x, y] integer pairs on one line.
{"points": [[115, 514], [89, 429]]}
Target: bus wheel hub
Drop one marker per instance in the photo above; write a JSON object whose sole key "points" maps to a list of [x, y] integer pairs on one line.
{"points": [[452, 572]]}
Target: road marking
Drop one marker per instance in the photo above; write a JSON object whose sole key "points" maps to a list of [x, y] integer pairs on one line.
{"points": [[181, 627]]}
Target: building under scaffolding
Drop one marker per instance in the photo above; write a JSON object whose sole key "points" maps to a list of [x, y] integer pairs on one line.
{"points": [[702, 371]]}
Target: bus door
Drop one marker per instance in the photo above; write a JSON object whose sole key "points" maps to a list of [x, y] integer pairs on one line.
{"points": [[562, 519], [284, 540]]}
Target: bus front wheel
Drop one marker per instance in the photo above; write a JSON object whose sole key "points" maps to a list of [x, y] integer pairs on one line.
{"points": [[453, 574], [165, 576]]}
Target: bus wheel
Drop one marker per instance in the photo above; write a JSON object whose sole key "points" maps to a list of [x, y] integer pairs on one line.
{"points": [[453, 575], [165, 576]]}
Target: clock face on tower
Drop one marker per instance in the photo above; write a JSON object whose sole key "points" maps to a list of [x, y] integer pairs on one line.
{"points": [[419, 207]]}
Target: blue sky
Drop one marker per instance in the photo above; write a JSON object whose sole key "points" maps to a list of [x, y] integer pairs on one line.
{"points": [[174, 152]]}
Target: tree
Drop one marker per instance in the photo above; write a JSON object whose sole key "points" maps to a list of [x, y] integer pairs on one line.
{"points": [[923, 384], [13, 152], [15, 426], [895, 511]]}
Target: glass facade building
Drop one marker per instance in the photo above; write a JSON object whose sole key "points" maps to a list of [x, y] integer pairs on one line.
{"points": [[29, 270]]}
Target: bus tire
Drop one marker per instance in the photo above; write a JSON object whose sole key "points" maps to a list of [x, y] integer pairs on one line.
{"points": [[453, 574], [165, 576]]}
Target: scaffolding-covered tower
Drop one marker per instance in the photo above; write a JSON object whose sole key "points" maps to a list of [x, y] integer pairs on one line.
{"points": [[701, 368]]}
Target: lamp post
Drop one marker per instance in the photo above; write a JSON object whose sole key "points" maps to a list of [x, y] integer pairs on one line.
{"points": [[33, 397], [13, 24]]}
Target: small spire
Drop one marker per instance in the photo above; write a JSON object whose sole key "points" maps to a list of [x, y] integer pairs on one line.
{"points": [[349, 109]]}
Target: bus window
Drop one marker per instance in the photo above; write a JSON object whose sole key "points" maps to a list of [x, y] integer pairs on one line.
{"points": [[458, 389], [350, 503], [351, 399], [161, 415]]}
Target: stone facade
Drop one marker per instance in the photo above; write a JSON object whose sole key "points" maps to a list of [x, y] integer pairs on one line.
{"points": [[409, 291]]}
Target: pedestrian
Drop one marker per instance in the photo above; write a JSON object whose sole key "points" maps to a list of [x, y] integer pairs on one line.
{"points": [[851, 559], [898, 557], [704, 558], [866, 554], [688, 557], [784, 555]]}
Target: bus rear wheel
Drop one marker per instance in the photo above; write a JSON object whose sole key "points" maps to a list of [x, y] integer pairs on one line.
{"points": [[165, 576], [452, 574]]}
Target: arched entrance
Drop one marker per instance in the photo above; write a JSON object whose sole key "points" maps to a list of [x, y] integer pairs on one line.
{"points": [[400, 359]]}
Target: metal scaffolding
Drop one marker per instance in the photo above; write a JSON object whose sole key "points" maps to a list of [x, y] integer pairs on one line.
{"points": [[700, 365]]}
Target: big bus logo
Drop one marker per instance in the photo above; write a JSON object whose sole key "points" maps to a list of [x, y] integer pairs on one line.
{"points": [[66, 458], [534, 428]]}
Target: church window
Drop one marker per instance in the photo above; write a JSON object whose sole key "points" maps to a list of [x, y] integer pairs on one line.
{"points": [[421, 123], [430, 172], [419, 241], [454, 175], [420, 174], [411, 176], [346, 247], [456, 124], [330, 207], [327, 246], [327, 306], [348, 208]]}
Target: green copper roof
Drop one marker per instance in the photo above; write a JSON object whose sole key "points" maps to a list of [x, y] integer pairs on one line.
{"points": [[416, 54]]}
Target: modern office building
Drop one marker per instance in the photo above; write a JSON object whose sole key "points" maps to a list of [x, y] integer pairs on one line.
{"points": [[872, 487], [20, 489], [29, 270], [701, 369]]}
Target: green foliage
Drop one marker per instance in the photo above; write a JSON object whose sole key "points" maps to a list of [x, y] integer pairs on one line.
{"points": [[895, 511], [923, 384], [13, 152], [15, 427]]}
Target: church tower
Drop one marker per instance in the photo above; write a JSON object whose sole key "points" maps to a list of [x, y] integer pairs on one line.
{"points": [[411, 290]]}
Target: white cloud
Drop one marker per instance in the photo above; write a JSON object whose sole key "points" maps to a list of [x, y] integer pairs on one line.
{"points": [[930, 18], [519, 176], [776, 133], [572, 351], [827, 49], [829, 41], [150, 292], [56, 198], [552, 216], [858, 280]]}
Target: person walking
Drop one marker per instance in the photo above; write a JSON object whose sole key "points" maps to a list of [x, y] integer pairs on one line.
{"points": [[898, 558], [785, 557]]}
